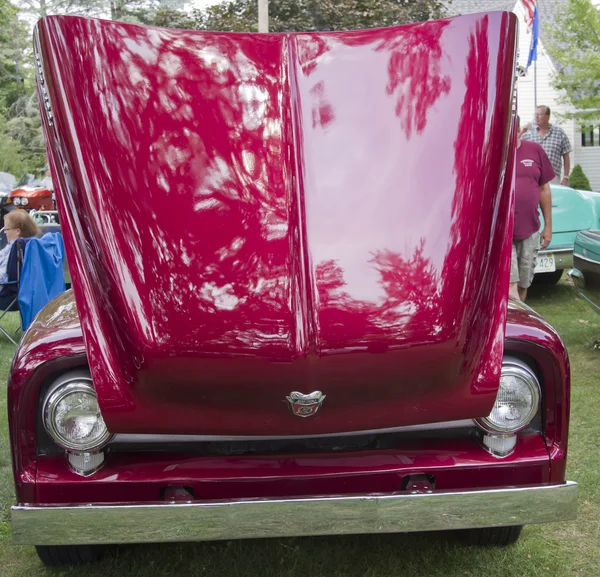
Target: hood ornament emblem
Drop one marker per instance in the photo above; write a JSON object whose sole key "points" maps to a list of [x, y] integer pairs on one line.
{"points": [[305, 405]]}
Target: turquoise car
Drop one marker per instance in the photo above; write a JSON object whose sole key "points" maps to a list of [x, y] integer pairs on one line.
{"points": [[572, 211], [586, 260]]}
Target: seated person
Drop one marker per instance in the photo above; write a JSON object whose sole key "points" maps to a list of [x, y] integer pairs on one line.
{"points": [[17, 224]]}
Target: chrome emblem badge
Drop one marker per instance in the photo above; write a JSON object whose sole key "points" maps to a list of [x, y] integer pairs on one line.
{"points": [[305, 405]]}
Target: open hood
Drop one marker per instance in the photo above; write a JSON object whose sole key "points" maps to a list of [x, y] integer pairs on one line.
{"points": [[248, 216]]}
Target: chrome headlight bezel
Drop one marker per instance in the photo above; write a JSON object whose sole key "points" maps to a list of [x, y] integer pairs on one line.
{"points": [[522, 371], [50, 405]]}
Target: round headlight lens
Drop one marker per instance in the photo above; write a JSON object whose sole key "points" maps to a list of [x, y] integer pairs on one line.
{"points": [[24, 201], [72, 417], [17, 201], [517, 401]]}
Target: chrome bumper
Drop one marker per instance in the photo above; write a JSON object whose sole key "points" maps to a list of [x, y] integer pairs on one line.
{"points": [[212, 520], [563, 257]]}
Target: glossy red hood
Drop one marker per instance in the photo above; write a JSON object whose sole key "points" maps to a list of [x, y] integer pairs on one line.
{"points": [[250, 215]]}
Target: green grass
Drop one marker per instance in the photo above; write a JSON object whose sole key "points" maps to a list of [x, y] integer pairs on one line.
{"points": [[558, 549]]}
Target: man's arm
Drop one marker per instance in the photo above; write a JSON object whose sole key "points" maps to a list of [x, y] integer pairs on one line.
{"points": [[567, 163], [546, 206]]}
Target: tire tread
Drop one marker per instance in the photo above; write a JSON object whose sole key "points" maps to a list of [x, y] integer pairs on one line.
{"points": [[494, 536], [55, 555]]}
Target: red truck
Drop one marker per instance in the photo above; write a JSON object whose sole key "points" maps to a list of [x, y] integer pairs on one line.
{"points": [[317, 337]]}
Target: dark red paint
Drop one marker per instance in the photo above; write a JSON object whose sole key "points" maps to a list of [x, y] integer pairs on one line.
{"points": [[248, 216], [455, 464]]}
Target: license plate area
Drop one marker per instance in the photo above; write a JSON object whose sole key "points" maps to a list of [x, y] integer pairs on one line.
{"points": [[545, 263]]}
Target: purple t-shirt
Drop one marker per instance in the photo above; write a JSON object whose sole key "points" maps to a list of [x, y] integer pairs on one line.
{"points": [[533, 170]]}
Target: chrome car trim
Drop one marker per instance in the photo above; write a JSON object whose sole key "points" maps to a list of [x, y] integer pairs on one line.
{"points": [[554, 250], [579, 256], [578, 279], [332, 515], [144, 438], [305, 405]]}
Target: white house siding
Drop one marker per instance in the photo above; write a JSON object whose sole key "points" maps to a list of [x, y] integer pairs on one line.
{"points": [[588, 157]]}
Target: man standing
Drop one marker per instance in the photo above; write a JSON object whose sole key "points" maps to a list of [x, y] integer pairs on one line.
{"points": [[554, 141], [532, 190]]}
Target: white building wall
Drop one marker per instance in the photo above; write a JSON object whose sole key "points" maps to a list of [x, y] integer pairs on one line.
{"points": [[545, 94], [589, 158]]}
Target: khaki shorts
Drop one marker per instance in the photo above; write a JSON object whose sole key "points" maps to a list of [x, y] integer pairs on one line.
{"points": [[523, 261]]}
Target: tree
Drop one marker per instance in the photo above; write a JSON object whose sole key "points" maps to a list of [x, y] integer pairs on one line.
{"points": [[578, 180], [24, 126], [13, 38], [40, 8], [145, 11], [302, 15], [575, 45], [130, 10], [11, 158]]}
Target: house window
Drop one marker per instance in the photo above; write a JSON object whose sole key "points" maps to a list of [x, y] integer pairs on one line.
{"points": [[590, 136], [522, 73]]}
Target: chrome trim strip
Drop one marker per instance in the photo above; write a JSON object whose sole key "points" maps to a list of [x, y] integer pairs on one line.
{"points": [[555, 250], [332, 515], [143, 438], [579, 256]]}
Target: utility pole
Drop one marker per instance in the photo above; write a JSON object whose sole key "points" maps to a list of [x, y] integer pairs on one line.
{"points": [[263, 15]]}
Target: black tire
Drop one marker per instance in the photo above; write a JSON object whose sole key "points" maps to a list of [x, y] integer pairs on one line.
{"points": [[493, 536], [54, 555], [548, 278]]}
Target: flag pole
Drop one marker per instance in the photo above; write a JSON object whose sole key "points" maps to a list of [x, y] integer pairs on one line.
{"points": [[535, 84], [263, 15]]}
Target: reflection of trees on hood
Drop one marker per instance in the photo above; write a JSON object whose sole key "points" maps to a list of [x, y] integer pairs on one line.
{"points": [[406, 311], [415, 76], [218, 166]]}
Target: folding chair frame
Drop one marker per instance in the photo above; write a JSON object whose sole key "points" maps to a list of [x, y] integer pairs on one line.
{"points": [[20, 256]]}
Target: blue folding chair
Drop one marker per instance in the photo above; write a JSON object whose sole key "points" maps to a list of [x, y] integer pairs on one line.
{"points": [[9, 292], [35, 277], [42, 277]]}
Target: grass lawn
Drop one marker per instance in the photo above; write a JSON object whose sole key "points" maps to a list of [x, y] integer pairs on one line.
{"points": [[549, 550]]}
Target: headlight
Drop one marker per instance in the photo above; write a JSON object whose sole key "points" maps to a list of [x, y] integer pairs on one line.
{"points": [[24, 201], [72, 417], [16, 201], [517, 401]]}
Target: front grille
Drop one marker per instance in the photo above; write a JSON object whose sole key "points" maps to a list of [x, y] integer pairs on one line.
{"points": [[292, 446]]}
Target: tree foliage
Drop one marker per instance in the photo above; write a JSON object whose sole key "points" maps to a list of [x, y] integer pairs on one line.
{"points": [[40, 8], [303, 15], [145, 11], [575, 45]]}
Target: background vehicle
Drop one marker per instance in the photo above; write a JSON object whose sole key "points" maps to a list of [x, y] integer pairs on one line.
{"points": [[586, 263], [572, 211], [32, 194]]}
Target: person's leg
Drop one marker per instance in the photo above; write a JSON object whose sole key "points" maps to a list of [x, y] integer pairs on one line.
{"points": [[522, 293], [527, 258], [514, 274]]}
